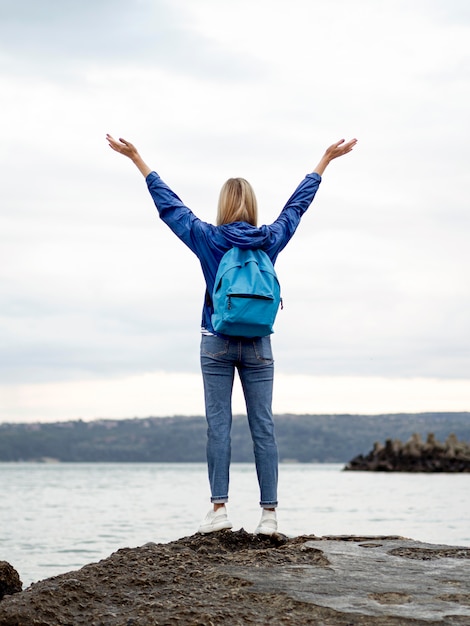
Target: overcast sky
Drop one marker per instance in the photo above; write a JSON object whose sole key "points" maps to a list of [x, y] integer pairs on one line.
{"points": [[100, 303]]}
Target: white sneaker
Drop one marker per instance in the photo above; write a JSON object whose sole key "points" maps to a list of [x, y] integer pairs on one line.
{"points": [[215, 520], [267, 524]]}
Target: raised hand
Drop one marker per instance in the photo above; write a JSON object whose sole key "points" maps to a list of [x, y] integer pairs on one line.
{"points": [[339, 148], [333, 152], [122, 146], [129, 150]]}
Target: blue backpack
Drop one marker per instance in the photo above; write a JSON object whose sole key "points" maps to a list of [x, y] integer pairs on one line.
{"points": [[246, 294]]}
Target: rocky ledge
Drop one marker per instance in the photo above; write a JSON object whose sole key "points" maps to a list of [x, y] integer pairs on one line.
{"points": [[415, 456], [235, 578]]}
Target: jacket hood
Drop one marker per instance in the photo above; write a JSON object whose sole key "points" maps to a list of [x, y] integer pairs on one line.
{"points": [[244, 235]]}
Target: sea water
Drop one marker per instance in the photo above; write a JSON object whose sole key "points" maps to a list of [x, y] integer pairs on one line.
{"points": [[55, 518]]}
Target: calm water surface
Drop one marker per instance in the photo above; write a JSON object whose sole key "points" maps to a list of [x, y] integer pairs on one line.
{"points": [[58, 517]]}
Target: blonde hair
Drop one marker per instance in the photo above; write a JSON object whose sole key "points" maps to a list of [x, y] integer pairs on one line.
{"points": [[237, 203]]}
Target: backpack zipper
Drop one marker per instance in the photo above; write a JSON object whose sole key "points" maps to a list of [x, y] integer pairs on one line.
{"points": [[248, 296]]}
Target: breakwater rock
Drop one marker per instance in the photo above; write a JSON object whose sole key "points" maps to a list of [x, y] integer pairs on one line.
{"points": [[235, 578], [415, 455]]}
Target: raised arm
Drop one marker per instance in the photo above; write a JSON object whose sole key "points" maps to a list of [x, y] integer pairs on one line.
{"points": [[333, 152], [129, 150]]}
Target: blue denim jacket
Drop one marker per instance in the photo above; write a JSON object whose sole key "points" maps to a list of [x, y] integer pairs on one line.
{"points": [[209, 243]]}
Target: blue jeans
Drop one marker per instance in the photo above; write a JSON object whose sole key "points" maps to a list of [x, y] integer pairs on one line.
{"points": [[254, 361]]}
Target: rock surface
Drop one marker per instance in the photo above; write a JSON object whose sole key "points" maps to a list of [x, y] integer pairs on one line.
{"points": [[415, 456], [235, 578]]}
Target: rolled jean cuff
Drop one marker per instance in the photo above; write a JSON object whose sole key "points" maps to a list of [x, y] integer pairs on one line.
{"points": [[268, 505], [219, 500]]}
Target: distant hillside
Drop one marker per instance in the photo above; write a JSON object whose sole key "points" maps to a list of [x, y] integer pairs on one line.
{"points": [[302, 438]]}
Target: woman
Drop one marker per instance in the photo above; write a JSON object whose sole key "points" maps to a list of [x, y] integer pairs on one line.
{"points": [[221, 355]]}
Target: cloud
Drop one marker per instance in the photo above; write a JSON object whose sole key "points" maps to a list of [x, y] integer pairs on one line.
{"points": [[62, 38], [159, 394], [92, 284]]}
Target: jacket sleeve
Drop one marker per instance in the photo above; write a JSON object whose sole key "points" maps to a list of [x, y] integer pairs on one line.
{"points": [[282, 230], [173, 212]]}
